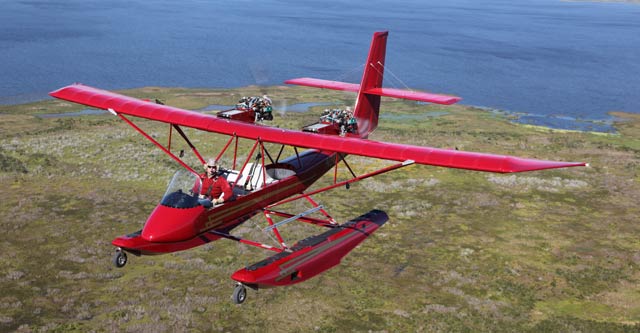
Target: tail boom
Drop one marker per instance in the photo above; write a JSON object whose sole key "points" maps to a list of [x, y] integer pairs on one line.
{"points": [[370, 90]]}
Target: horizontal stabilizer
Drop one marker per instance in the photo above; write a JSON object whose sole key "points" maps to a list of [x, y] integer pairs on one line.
{"points": [[325, 84], [387, 92], [414, 95], [311, 256]]}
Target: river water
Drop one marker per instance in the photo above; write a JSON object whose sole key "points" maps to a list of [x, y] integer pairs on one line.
{"points": [[560, 63]]}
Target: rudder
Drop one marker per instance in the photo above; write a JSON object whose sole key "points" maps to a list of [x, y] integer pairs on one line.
{"points": [[367, 105]]}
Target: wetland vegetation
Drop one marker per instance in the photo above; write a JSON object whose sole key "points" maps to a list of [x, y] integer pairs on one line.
{"points": [[547, 251]]}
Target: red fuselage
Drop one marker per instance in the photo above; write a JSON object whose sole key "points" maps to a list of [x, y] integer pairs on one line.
{"points": [[171, 229]]}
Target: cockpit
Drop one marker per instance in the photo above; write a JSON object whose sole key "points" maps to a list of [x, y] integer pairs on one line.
{"points": [[182, 191], [184, 186]]}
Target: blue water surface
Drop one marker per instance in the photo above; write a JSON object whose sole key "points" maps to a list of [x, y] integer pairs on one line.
{"points": [[540, 57]]}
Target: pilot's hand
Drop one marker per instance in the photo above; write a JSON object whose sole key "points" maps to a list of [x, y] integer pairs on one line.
{"points": [[217, 201], [201, 196]]}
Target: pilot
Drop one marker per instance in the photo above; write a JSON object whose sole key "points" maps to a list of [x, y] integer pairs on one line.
{"points": [[214, 188]]}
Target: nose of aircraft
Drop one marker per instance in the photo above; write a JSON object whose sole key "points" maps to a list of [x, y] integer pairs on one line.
{"points": [[167, 224]]}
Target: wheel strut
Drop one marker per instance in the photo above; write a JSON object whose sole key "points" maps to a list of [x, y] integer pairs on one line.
{"points": [[119, 258]]}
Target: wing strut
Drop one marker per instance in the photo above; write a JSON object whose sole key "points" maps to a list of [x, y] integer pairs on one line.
{"points": [[298, 156], [225, 149], [260, 156], [264, 170], [235, 152], [176, 158], [348, 167], [335, 172], [324, 212], [305, 219], [267, 215], [245, 241], [253, 149], [346, 182], [184, 136], [290, 218], [170, 134], [293, 218], [279, 153]]}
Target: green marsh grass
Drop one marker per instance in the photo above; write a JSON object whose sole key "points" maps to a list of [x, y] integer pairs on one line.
{"points": [[463, 251]]}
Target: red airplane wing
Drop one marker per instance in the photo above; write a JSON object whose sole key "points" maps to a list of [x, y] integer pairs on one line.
{"points": [[391, 151], [389, 92]]}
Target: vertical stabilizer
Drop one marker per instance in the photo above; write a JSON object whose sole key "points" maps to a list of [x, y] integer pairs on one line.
{"points": [[370, 89], [368, 105]]}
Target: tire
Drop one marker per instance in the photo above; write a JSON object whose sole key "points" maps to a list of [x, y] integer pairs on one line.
{"points": [[119, 259], [239, 294]]}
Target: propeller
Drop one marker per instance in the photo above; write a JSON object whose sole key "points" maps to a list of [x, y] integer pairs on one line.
{"points": [[261, 78]]}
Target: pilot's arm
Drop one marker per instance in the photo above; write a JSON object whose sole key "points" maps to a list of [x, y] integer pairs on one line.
{"points": [[226, 192]]}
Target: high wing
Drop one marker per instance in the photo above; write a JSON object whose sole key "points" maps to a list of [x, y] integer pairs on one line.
{"points": [[126, 105]]}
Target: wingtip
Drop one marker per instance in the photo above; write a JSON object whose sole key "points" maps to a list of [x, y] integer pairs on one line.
{"points": [[56, 93], [516, 164], [454, 100]]}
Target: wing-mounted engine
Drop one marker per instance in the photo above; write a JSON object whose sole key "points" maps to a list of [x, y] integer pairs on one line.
{"points": [[334, 121], [250, 110]]}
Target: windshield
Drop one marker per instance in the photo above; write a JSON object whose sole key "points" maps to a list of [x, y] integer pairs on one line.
{"points": [[182, 191]]}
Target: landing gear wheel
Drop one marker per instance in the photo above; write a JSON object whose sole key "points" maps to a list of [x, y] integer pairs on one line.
{"points": [[119, 258], [239, 294]]}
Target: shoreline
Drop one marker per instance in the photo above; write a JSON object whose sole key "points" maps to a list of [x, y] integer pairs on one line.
{"points": [[547, 122]]}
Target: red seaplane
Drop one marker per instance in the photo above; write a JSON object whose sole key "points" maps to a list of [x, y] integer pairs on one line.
{"points": [[181, 222]]}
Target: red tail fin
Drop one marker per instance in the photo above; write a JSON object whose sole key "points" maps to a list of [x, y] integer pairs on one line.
{"points": [[368, 105], [370, 89]]}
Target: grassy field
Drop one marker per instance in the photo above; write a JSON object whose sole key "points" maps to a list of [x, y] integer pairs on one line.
{"points": [[547, 251]]}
